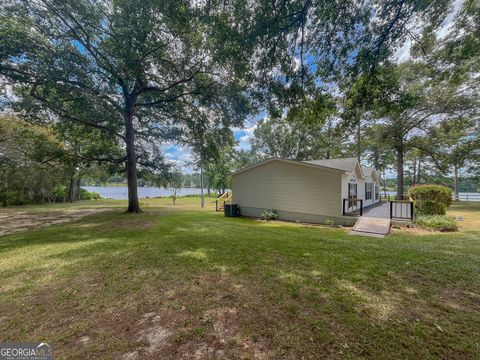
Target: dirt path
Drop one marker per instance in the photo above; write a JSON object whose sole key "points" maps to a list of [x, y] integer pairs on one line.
{"points": [[14, 221]]}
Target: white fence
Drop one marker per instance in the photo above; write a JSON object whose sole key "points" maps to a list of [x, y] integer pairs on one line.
{"points": [[467, 197]]}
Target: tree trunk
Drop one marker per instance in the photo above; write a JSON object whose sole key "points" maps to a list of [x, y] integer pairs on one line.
{"points": [[419, 170], [174, 196], [455, 181], [329, 135], [400, 178], [359, 140], [384, 184], [71, 189], [414, 171], [77, 195], [133, 204], [201, 183]]}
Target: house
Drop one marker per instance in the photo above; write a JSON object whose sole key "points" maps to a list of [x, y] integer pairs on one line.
{"points": [[308, 191]]}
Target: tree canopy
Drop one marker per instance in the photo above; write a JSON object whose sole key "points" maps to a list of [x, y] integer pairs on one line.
{"points": [[118, 79], [142, 71]]}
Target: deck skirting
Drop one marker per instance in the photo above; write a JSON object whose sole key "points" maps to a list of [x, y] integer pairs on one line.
{"points": [[300, 217]]}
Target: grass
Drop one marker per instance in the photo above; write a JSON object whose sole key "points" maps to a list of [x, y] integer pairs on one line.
{"points": [[182, 282]]}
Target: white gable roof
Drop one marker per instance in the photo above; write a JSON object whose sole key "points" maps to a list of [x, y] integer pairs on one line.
{"points": [[343, 165], [346, 164], [301, 163], [370, 171]]}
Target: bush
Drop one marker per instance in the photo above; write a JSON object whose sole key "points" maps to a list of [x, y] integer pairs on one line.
{"points": [[89, 195], [270, 214], [59, 193], [437, 222], [330, 222], [430, 199]]}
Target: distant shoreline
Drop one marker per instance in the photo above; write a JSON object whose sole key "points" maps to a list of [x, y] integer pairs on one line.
{"points": [[125, 185], [121, 192]]}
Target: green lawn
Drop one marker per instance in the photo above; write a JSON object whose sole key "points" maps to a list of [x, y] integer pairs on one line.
{"points": [[180, 282]]}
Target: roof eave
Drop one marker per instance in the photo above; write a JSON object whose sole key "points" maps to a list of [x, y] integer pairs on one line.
{"points": [[293, 162]]}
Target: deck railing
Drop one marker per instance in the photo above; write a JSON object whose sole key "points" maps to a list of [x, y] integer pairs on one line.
{"points": [[388, 197], [401, 209], [385, 197], [220, 202], [352, 206]]}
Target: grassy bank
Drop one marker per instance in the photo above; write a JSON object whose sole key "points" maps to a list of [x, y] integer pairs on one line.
{"points": [[180, 282]]}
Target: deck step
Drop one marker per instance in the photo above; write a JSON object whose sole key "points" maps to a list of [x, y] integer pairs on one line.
{"points": [[372, 226]]}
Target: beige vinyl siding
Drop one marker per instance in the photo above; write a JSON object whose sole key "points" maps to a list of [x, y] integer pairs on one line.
{"points": [[289, 187]]}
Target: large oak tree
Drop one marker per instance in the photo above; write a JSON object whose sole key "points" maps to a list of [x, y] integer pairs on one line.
{"points": [[141, 70]]}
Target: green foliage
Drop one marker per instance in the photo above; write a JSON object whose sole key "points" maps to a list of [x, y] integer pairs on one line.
{"points": [[141, 72], [429, 208], [89, 195], [308, 131], [218, 171], [31, 163], [330, 222], [269, 214], [430, 199], [437, 222], [59, 194]]}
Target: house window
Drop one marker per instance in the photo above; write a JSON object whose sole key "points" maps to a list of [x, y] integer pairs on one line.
{"points": [[368, 191], [377, 192]]}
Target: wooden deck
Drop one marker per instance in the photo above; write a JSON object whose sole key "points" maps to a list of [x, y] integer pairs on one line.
{"points": [[379, 210]]}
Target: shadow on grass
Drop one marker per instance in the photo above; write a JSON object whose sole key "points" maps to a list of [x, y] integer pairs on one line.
{"points": [[289, 284]]}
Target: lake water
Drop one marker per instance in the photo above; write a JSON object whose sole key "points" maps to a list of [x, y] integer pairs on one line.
{"points": [[121, 192]]}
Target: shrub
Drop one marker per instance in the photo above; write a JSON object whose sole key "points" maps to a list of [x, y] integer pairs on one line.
{"points": [[437, 222], [89, 195], [430, 199], [59, 193], [270, 214]]}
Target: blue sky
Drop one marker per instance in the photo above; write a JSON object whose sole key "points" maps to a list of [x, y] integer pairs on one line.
{"points": [[183, 157]]}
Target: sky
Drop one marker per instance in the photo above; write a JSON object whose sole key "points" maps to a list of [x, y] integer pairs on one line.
{"points": [[183, 158]]}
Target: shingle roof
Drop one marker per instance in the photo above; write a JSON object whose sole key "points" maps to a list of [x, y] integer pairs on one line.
{"points": [[302, 163], [345, 164]]}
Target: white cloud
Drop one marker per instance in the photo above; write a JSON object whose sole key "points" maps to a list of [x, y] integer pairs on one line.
{"points": [[403, 53], [448, 22], [180, 156], [244, 137]]}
